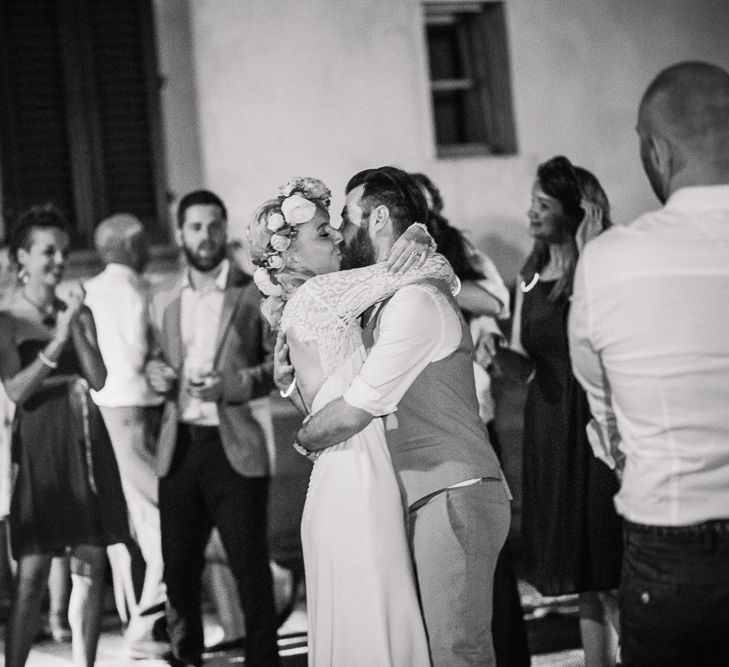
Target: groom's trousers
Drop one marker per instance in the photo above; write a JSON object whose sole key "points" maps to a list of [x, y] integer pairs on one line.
{"points": [[456, 537]]}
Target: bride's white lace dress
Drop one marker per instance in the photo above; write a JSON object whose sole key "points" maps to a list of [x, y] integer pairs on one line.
{"points": [[362, 603]]}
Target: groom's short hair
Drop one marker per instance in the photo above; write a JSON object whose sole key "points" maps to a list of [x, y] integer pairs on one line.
{"points": [[394, 188]]}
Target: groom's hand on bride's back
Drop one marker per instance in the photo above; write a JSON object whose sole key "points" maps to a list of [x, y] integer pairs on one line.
{"points": [[283, 371]]}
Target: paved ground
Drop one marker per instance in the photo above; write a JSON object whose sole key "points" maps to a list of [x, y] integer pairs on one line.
{"points": [[552, 628], [110, 654]]}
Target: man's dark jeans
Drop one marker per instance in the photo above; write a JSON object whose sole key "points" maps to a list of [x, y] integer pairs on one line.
{"points": [[674, 595]]}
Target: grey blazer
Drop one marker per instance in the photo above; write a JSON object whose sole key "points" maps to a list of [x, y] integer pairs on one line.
{"points": [[244, 359]]}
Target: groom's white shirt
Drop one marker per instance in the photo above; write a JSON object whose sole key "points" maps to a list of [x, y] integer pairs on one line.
{"points": [[418, 326]]}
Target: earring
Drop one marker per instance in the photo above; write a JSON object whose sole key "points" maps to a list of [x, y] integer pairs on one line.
{"points": [[23, 276]]}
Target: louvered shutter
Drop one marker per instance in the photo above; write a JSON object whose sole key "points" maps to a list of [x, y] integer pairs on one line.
{"points": [[97, 82], [33, 126]]}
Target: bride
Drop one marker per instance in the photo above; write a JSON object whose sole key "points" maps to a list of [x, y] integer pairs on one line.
{"points": [[362, 602]]}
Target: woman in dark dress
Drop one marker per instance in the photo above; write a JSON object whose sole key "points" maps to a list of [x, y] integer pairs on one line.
{"points": [[67, 494], [571, 531]]}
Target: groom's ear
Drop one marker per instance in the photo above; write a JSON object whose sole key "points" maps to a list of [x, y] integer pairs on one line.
{"points": [[380, 217]]}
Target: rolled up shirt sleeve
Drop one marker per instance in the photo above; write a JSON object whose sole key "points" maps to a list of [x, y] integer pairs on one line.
{"points": [[414, 330]]}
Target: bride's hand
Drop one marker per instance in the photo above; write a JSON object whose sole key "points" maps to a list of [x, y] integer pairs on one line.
{"points": [[283, 370], [411, 249]]}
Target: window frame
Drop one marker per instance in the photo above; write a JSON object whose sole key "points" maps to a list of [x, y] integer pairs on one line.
{"points": [[485, 59]]}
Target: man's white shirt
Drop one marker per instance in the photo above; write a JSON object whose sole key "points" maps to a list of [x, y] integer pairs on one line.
{"points": [[649, 340], [200, 315], [417, 327], [118, 299]]}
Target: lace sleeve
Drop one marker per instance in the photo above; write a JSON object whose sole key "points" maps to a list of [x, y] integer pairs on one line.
{"points": [[350, 293]]}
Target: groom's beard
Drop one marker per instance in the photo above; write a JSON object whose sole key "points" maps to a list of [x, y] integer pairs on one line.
{"points": [[359, 251]]}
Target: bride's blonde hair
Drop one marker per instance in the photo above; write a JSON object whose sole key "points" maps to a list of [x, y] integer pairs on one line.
{"points": [[271, 232]]}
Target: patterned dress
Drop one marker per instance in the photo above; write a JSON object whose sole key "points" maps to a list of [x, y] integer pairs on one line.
{"points": [[361, 597]]}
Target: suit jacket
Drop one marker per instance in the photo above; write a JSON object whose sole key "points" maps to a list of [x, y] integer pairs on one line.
{"points": [[243, 358]]}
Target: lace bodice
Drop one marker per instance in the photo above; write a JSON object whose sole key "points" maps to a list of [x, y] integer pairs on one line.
{"points": [[325, 308]]}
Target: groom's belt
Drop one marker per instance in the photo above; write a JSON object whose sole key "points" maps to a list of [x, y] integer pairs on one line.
{"points": [[469, 482]]}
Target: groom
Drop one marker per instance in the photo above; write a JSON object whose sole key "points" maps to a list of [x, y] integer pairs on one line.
{"points": [[419, 376]]}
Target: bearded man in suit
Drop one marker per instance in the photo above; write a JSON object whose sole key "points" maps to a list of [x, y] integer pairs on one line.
{"points": [[212, 358]]}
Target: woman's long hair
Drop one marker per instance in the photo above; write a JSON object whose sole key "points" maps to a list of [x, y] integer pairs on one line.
{"points": [[452, 242], [558, 178], [454, 246], [593, 193]]}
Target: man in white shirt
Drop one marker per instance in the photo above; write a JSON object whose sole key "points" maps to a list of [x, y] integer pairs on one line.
{"points": [[118, 298], [649, 339], [419, 376]]}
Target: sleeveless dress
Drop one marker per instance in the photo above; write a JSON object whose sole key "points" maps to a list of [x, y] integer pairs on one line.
{"points": [[67, 491], [362, 602], [571, 533]]}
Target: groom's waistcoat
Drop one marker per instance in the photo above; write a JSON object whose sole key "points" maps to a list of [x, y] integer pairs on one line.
{"points": [[436, 438]]}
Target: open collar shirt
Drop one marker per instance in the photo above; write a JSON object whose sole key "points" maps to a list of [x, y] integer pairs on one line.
{"points": [[200, 314]]}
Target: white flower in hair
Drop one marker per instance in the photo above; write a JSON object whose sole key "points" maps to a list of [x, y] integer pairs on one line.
{"points": [[275, 262], [280, 243], [264, 283], [275, 221], [297, 209], [286, 190]]}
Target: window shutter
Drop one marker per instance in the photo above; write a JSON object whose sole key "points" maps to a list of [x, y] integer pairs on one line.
{"points": [[34, 151], [121, 80], [80, 112]]}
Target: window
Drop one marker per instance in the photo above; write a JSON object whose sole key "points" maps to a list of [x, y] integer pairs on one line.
{"points": [[469, 78], [79, 112]]}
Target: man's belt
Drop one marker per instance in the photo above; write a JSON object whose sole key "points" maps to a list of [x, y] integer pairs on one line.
{"points": [[715, 527]]}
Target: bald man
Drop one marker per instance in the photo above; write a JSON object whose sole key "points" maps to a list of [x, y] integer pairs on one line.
{"points": [[649, 339], [131, 410]]}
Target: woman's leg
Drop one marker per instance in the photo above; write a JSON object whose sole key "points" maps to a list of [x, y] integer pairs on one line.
{"points": [[598, 630], [84, 609], [59, 590], [6, 569], [22, 627]]}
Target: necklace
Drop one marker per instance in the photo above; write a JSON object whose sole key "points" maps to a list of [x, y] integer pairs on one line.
{"points": [[526, 288], [47, 313]]}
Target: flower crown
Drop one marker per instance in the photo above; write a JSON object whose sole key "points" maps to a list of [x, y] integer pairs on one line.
{"points": [[297, 204]]}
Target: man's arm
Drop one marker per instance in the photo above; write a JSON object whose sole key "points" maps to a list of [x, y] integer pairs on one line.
{"points": [[589, 371], [336, 422], [412, 331]]}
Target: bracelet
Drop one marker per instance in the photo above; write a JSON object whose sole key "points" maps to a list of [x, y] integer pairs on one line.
{"points": [[285, 393], [312, 456], [48, 363]]}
